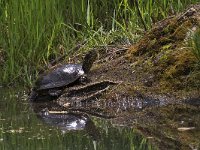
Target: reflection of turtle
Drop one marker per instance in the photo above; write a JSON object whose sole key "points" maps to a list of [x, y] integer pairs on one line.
{"points": [[65, 121], [52, 114], [52, 83]]}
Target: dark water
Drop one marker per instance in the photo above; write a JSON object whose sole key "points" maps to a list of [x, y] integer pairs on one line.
{"points": [[22, 129]]}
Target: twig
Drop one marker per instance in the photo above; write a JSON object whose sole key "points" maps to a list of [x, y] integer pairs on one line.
{"points": [[92, 113]]}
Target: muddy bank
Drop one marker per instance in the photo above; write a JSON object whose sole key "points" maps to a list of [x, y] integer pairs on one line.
{"points": [[152, 86], [157, 88], [161, 66]]}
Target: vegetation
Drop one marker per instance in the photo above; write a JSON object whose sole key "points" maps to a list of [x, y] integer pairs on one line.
{"points": [[34, 32], [194, 43]]}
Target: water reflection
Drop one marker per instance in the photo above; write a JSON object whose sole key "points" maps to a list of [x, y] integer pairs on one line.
{"points": [[52, 114], [25, 127], [65, 122], [58, 118]]}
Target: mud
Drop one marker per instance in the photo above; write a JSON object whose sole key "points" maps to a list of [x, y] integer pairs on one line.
{"points": [[158, 90], [152, 86]]}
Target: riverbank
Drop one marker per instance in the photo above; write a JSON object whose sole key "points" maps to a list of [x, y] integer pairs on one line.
{"points": [[161, 63], [158, 90]]}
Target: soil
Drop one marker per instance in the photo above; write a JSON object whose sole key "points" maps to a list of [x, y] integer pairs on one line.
{"points": [[155, 84], [158, 90]]}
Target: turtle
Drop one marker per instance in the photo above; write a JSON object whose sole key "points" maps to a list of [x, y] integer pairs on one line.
{"points": [[54, 81]]}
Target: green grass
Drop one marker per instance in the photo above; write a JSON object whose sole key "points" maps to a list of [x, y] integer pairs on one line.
{"points": [[29, 32], [194, 43], [32, 32]]}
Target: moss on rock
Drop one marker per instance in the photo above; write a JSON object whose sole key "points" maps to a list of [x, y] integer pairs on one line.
{"points": [[165, 46]]}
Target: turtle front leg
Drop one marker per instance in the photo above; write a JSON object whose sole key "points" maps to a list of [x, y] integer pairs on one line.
{"points": [[55, 92], [33, 95]]}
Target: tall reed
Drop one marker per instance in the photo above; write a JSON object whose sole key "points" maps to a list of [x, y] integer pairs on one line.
{"points": [[29, 32], [32, 31]]}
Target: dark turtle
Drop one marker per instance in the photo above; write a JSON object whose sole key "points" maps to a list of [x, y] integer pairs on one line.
{"points": [[53, 82]]}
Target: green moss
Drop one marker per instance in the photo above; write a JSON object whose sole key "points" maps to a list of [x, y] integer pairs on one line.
{"points": [[169, 28], [165, 40], [182, 30], [166, 30], [167, 46]]}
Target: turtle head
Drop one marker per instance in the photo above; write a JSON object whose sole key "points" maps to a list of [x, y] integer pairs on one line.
{"points": [[88, 60]]}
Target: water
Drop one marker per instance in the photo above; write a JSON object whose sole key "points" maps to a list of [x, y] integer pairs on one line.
{"points": [[22, 129]]}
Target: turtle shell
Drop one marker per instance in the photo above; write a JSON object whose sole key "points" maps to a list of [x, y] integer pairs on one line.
{"points": [[59, 77]]}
